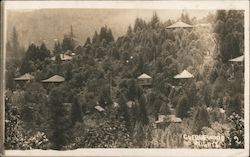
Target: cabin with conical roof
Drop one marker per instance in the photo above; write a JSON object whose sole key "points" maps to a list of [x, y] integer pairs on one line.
{"points": [[184, 75], [236, 69], [25, 77], [54, 79], [179, 24], [63, 57], [239, 59], [164, 121], [144, 80]]}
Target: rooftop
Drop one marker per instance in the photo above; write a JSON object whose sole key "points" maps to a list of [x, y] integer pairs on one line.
{"points": [[237, 59], [63, 57], [184, 74], [180, 24], [25, 77], [99, 108], [55, 78], [144, 76]]}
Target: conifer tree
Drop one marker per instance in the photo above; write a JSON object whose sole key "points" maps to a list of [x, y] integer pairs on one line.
{"points": [[201, 119], [155, 21], [87, 43], [57, 48], [142, 112], [76, 111], [59, 124]]}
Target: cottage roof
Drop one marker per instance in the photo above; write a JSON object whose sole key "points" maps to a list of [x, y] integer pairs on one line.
{"points": [[25, 77], [144, 76], [55, 78], [63, 57], [99, 108], [237, 59], [184, 74], [180, 24]]}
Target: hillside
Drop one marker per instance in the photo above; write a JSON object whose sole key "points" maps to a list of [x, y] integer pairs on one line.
{"points": [[149, 88]]}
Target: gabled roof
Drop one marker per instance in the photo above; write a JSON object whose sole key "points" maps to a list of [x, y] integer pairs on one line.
{"points": [[55, 78], [184, 74], [144, 76], [63, 57], [25, 77], [180, 24], [99, 108], [237, 59]]}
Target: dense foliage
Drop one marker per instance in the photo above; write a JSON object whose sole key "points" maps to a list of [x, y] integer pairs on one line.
{"points": [[103, 73]]}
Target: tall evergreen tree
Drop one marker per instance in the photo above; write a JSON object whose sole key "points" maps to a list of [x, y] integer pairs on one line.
{"points": [[129, 31], [143, 117], [57, 48], [44, 52], [87, 43], [95, 38], [67, 44], [76, 111], [155, 21], [230, 29], [59, 123], [201, 119]]}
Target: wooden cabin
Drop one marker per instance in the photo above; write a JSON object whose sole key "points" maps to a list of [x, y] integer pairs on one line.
{"points": [[99, 108], [22, 80], [25, 77], [184, 75], [165, 120], [144, 80], [239, 59], [54, 79], [180, 24], [236, 69], [63, 57]]}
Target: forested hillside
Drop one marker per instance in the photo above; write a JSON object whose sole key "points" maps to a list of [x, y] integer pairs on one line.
{"points": [[101, 104]]}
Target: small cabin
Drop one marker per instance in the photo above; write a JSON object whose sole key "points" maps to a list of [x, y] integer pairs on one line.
{"points": [[144, 80], [239, 59], [99, 108], [54, 79], [236, 69], [180, 24], [22, 80], [164, 121], [25, 77], [63, 57], [184, 75]]}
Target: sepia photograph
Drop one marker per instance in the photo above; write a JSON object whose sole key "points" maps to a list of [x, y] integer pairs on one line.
{"points": [[82, 77]]}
